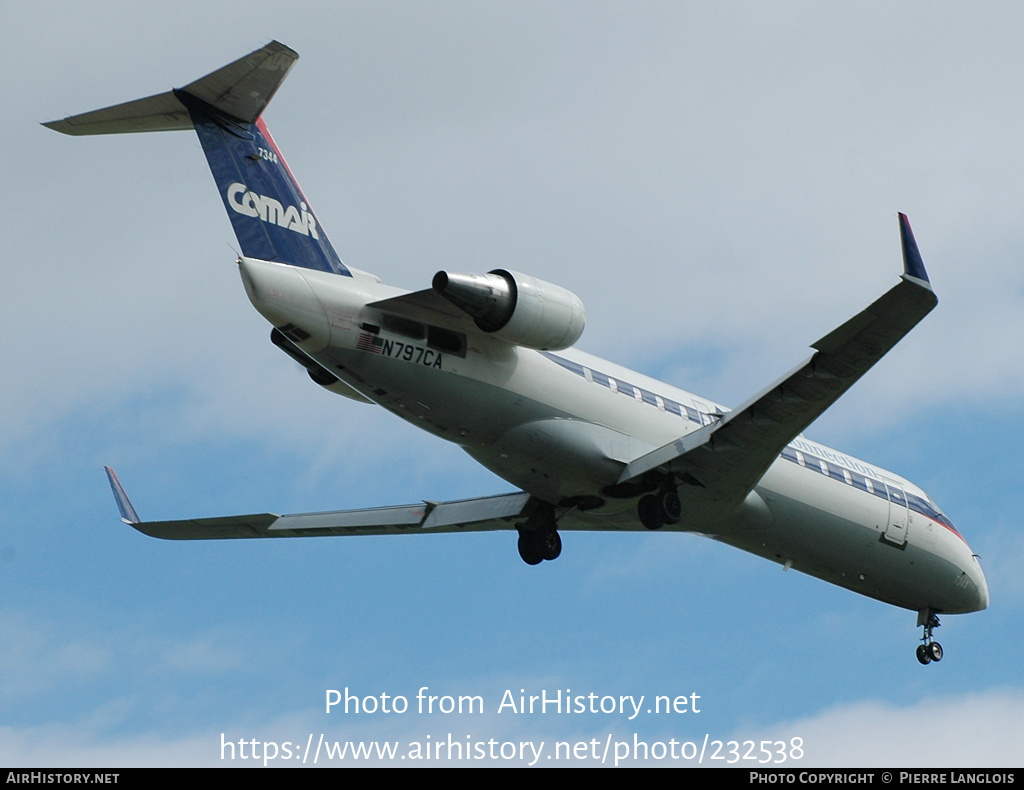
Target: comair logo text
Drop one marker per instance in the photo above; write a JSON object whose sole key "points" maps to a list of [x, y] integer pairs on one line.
{"points": [[269, 210]]}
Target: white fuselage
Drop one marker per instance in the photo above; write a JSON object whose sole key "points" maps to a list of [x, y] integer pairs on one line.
{"points": [[561, 426]]}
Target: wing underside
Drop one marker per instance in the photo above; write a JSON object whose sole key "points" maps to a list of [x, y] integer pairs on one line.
{"points": [[468, 515], [725, 460]]}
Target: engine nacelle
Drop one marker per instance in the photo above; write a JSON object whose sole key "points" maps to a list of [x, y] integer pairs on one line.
{"points": [[516, 308], [317, 372]]}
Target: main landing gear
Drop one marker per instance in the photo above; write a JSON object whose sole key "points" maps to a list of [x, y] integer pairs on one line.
{"points": [[538, 537], [660, 508], [535, 547], [928, 650]]}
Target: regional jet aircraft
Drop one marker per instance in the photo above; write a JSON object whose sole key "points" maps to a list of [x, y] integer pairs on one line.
{"points": [[487, 361]]}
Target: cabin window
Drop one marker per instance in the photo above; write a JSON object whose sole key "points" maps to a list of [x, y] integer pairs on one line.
{"points": [[859, 481]]}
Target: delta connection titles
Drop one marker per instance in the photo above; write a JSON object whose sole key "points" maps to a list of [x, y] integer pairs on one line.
{"points": [[559, 701]]}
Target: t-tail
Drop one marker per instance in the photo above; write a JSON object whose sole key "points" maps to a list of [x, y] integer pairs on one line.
{"points": [[271, 217]]}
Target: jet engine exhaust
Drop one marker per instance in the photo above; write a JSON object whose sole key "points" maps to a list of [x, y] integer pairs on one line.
{"points": [[515, 307], [489, 298]]}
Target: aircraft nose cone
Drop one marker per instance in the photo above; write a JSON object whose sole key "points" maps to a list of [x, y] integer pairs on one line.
{"points": [[281, 294], [972, 587], [981, 586]]}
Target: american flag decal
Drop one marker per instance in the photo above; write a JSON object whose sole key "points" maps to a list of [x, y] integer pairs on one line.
{"points": [[368, 342]]}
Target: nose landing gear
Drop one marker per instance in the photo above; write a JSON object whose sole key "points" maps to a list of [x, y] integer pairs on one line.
{"points": [[928, 650]]}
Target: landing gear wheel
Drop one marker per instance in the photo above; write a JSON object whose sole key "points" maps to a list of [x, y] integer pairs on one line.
{"points": [[536, 546], [928, 650], [529, 550], [647, 508], [538, 535], [669, 508], [658, 509], [549, 544]]}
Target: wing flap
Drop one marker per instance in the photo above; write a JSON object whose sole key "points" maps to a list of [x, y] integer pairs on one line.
{"points": [[473, 511]]}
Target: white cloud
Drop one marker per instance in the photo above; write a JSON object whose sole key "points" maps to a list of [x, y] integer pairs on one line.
{"points": [[59, 745], [982, 730], [966, 731], [34, 657]]}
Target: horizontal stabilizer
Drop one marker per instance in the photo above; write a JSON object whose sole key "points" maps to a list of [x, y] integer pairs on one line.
{"points": [[160, 113], [240, 90]]}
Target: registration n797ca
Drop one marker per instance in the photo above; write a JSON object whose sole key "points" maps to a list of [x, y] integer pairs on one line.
{"points": [[486, 360]]}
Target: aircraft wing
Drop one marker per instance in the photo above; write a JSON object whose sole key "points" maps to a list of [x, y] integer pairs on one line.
{"points": [[723, 461], [468, 515]]}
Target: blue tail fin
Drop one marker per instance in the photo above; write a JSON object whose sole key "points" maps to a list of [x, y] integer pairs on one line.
{"points": [[271, 217]]}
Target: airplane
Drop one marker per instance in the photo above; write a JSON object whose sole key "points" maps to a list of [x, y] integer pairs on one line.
{"points": [[488, 361]]}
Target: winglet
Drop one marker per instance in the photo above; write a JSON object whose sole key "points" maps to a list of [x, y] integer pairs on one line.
{"points": [[128, 514], [913, 265]]}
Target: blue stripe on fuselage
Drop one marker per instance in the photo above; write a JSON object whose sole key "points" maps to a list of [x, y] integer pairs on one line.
{"points": [[828, 467]]}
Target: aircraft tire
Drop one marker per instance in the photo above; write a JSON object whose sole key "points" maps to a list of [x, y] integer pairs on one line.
{"points": [[670, 509], [922, 655], [647, 508], [935, 651], [529, 549], [549, 544]]}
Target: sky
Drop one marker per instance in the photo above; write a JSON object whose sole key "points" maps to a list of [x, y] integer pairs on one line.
{"points": [[718, 182]]}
